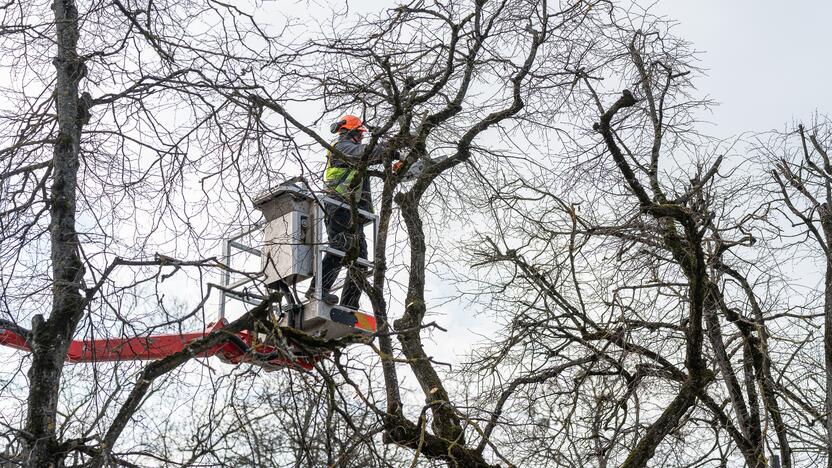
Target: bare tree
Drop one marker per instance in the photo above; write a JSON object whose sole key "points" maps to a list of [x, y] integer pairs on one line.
{"points": [[617, 283], [414, 67], [105, 106], [414, 71], [801, 174], [619, 244]]}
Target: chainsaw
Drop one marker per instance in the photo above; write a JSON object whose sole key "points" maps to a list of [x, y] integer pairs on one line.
{"points": [[416, 169]]}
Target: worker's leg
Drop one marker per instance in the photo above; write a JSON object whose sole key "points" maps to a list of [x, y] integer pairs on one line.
{"points": [[330, 267], [351, 295], [337, 224]]}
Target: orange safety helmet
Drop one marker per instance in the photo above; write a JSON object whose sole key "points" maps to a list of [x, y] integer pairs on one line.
{"points": [[348, 123]]}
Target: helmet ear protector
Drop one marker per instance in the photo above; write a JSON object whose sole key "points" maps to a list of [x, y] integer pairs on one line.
{"points": [[337, 125]]}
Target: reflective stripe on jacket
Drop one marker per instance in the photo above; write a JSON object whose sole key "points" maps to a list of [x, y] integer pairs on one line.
{"points": [[339, 179]]}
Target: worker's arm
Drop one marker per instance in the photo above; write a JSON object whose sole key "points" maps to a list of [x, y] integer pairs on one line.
{"points": [[354, 151]]}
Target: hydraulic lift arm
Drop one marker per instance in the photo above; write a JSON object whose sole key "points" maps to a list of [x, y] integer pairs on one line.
{"points": [[239, 347]]}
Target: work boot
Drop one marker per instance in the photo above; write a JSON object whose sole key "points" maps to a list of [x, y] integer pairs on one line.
{"points": [[326, 296]]}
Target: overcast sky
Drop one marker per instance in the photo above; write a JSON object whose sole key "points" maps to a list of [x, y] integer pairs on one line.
{"points": [[768, 61]]}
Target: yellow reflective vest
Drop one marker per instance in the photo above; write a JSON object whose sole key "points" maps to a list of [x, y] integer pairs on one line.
{"points": [[339, 175]]}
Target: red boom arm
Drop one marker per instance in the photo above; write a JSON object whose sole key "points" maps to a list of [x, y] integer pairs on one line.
{"points": [[240, 347]]}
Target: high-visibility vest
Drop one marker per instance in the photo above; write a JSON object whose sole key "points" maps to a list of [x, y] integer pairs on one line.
{"points": [[339, 179]]}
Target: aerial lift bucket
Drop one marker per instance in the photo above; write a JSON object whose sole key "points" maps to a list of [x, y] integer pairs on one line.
{"points": [[292, 252]]}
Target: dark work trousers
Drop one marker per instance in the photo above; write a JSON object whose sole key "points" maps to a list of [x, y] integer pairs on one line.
{"points": [[342, 237]]}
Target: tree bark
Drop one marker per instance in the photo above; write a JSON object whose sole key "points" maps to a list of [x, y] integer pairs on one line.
{"points": [[750, 432], [388, 366], [827, 353], [446, 424], [50, 339], [688, 253], [826, 226]]}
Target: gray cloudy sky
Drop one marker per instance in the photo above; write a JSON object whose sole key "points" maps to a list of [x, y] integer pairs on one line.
{"points": [[767, 61]]}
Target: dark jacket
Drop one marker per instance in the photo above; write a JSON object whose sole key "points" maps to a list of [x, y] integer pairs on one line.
{"points": [[341, 171]]}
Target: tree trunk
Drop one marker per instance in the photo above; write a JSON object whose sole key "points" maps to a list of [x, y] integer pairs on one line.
{"points": [[51, 338], [827, 353], [388, 366], [826, 226], [445, 423]]}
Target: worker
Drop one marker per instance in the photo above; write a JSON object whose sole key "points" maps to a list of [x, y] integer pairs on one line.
{"points": [[340, 179]]}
